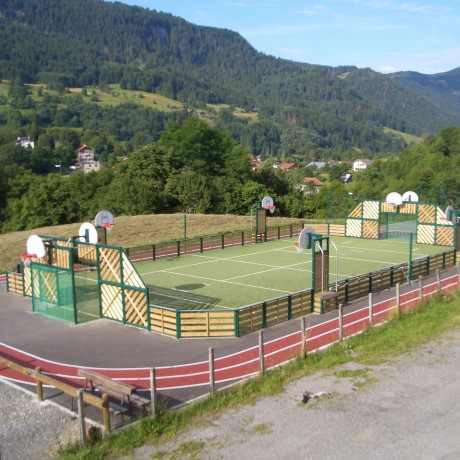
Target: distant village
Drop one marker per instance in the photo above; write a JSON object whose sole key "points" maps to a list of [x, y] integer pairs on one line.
{"points": [[313, 184], [86, 161], [85, 157]]}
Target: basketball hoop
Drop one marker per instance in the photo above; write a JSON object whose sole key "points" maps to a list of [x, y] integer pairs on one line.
{"points": [[298, 249], [271, 209], [27, 258], [108, 226]]}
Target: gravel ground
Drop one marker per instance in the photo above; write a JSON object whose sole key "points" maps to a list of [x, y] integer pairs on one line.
{"points": [[29, 429], [407, 408]]}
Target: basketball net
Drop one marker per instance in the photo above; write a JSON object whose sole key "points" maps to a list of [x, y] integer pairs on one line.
{"points": [[298, 249], [271, 209], [108, 227], [27, 258]]}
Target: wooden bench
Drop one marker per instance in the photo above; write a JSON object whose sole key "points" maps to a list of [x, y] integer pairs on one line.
{"points": [[124, 392]]}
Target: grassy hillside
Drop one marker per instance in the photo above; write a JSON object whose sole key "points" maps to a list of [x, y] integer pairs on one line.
{"points": [[409, 138], [115, 96], [136, 231]]}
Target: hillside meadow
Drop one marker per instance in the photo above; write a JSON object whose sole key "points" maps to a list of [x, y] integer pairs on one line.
{"points": [[131, 231]]}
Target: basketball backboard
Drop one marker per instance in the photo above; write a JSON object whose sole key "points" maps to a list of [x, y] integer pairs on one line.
{"points": [[88, 229], [305, 237], [35, 246], [394, 198], [104, 218]]}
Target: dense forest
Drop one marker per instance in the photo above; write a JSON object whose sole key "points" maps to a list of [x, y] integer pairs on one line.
{"points": [[336, 112], [64, 63]]}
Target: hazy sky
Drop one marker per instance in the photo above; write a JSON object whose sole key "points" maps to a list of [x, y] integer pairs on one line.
{"points": [[385, 35]]}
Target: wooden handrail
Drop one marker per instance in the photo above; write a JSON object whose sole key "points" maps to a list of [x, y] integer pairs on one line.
{"points": [[101, 403]]}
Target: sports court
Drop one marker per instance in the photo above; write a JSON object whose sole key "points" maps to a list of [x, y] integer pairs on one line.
{"points": [[239, 276]]}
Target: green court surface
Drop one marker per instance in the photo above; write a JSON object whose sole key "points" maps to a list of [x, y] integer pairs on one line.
{"points": [[238, 276]]}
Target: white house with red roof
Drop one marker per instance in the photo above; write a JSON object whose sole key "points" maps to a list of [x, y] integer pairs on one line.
{"points": [[86, 160]]}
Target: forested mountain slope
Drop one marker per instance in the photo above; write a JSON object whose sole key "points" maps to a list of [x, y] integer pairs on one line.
{"points": [[94, 43]]}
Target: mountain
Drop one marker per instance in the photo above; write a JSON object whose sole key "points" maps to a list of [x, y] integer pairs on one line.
{"points": [[442, 89], [327, 110]]}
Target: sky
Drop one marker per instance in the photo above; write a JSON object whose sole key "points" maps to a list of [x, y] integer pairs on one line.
{"points": [[384, 35]]}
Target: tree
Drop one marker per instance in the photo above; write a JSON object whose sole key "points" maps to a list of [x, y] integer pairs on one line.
{"points": [[139, 184], [197, 146], [192, 191]]}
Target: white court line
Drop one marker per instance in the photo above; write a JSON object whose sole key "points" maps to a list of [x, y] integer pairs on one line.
{"points": [[190, 300], [211, 259], [228, 282]]}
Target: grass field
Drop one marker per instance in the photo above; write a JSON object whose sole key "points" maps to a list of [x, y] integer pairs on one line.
{"points": [[132, 231], [239, 276]]}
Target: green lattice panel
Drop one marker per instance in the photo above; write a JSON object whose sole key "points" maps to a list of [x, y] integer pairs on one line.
{"points": [[425, 234], [354, 228], [357, 212], [371, 229], [371, 210]]}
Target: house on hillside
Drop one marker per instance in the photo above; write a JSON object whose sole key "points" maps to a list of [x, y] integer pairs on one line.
{"points": [[86, 159], [288, 166], [25, 142], [311, 185], [360, 165], [345, 178], [316, 165]]}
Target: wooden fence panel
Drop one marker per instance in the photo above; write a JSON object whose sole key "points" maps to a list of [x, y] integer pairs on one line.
{"points": [[300, 304], [336, 230], [164, 321], [207, 324], [277, 311], [445, 235], [250, 319], [15, 283]]}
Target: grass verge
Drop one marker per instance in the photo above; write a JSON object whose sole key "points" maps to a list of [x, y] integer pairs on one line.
{"points": [[431, 321]]}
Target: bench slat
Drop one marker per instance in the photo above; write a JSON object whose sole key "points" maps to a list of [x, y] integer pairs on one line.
{"points": [[109, 384]]}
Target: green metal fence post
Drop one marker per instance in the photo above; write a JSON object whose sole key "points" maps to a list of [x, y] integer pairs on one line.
{"points": [[154, 255], [72, 280], [264, 315], [201, 244], [99, 293], [289, 307], [178, 324], [410, 258], [122, 281], [223, 243], [178, 248], [147, 296], [242, 238], [236, 319]]}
